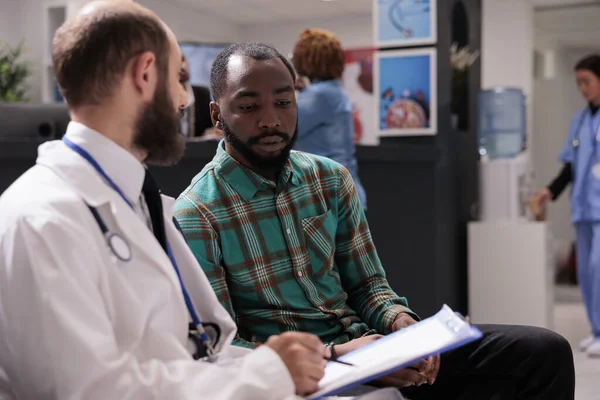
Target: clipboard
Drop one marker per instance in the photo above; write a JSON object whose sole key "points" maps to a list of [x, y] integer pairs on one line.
{"points": [[444, 331]]}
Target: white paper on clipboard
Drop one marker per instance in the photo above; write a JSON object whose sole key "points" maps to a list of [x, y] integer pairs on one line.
{"points": [[443, 331]]}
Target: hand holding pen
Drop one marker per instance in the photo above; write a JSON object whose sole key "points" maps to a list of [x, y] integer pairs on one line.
{"points": [[303, 354], [329, 354]]}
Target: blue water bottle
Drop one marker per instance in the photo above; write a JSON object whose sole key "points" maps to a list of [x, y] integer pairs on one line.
{"points": [[502, 122]]}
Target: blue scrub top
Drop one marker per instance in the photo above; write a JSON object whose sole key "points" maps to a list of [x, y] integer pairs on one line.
{"points": [[325, 127], [585, 189]]}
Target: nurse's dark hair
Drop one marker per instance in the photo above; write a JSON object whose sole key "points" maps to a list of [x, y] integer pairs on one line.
{"points": [[92, 50], [590, 63], [254, 50]]}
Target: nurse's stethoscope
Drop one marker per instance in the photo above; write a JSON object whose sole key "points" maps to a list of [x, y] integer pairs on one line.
{"points": [[121, 249], [575, 142]]}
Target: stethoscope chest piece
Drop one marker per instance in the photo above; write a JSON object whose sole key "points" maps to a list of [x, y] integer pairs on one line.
{"points": [[119, 247], [575, 143]]}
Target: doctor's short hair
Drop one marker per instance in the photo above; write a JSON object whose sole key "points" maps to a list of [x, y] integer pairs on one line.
{"points": [[254, 50], [91, 51], [590, 63], [319, 55]]}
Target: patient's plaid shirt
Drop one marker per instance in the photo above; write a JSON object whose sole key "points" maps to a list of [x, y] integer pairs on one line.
{"points": [[296, 255]]}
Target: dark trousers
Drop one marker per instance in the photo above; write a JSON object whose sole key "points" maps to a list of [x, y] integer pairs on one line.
{"points": [[508, 363]]}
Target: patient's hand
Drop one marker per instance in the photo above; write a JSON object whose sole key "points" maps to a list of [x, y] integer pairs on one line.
{"points": [[424, 371], [304, 356], [402, 321], [341, 349], [432, 365], [403, 378]]}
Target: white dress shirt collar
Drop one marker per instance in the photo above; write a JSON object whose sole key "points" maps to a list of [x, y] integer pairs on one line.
{"points": [[120, 165]]}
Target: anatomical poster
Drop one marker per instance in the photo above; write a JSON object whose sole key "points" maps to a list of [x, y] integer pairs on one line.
{"points": [[399, 23], [405, 92]]}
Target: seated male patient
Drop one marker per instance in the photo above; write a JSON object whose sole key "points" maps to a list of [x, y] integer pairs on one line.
{"points": [[286, 246]]}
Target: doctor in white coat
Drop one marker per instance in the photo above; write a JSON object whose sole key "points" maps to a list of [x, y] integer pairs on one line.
{"points": [[95, 299]]}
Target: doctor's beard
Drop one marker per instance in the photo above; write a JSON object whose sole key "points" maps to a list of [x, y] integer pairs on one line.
{"points": [[157, 129]]}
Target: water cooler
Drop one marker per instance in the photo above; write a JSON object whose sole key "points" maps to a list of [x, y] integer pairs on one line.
{"points": [[510, 262], [502, 122], [505, 186]]}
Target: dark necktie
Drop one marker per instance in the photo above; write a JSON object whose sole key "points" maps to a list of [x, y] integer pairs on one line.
{"points": [[153, 201], [152, 195]]}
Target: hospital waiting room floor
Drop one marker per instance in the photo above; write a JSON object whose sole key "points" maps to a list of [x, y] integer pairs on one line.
{"points": [[571, 322]]}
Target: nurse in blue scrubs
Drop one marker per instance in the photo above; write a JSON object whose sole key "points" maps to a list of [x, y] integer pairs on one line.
{"points": [[325, 125], [580, 156]]}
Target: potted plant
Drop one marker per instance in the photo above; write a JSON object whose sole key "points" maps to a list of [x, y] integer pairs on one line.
{"points": [[461, 60], [13, 73]]}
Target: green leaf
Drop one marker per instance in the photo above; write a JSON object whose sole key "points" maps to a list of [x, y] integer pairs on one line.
{"points": [[13, 73]]}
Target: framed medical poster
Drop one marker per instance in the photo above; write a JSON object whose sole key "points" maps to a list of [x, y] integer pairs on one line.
{"points": [[400, 23], [405, 83]]}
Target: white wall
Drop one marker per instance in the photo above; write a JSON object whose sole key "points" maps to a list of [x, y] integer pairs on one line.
{"points": [[507, 44], [507, 49], [10, 21], [556, 100], [33, 29], [353, 32], [541, 41], [192, 25]]}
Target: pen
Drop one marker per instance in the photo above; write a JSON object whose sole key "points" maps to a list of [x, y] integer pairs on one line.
{"points": [[339, 362], [256, 340]]}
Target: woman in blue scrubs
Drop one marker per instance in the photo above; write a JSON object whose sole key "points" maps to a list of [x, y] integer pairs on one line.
{"points": [[580, 156], [325, 125]]}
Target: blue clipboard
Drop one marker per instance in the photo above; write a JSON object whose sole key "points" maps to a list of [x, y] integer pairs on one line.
{"points": [[451, 331]]}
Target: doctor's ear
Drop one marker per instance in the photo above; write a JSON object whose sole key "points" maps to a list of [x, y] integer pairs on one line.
{"points": [[144, 74]]}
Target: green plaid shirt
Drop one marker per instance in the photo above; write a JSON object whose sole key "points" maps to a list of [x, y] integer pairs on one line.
{"points": [[295, 255]]}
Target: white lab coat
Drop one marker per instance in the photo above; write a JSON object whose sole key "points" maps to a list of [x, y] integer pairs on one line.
{"points": [[76, 323]]}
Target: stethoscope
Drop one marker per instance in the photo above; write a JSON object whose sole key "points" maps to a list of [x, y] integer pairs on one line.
{"points": [[575, 142], [116, 243], [396, 15], [121, 249]]}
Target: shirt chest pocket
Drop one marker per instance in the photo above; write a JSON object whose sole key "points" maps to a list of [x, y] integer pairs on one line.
{"points": [[319, 235]]}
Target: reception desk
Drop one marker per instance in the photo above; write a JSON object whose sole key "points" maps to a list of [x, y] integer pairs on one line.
{"points": [[400, 184]]}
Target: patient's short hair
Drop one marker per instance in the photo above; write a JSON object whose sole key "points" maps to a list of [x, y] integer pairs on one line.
{"points": [[254, 50]]}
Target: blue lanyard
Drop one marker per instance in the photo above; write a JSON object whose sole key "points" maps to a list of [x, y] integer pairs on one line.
{"points": [[188, 302]]}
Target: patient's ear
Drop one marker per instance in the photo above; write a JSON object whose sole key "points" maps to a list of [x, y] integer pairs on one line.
{"points": [[215, 114]]}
